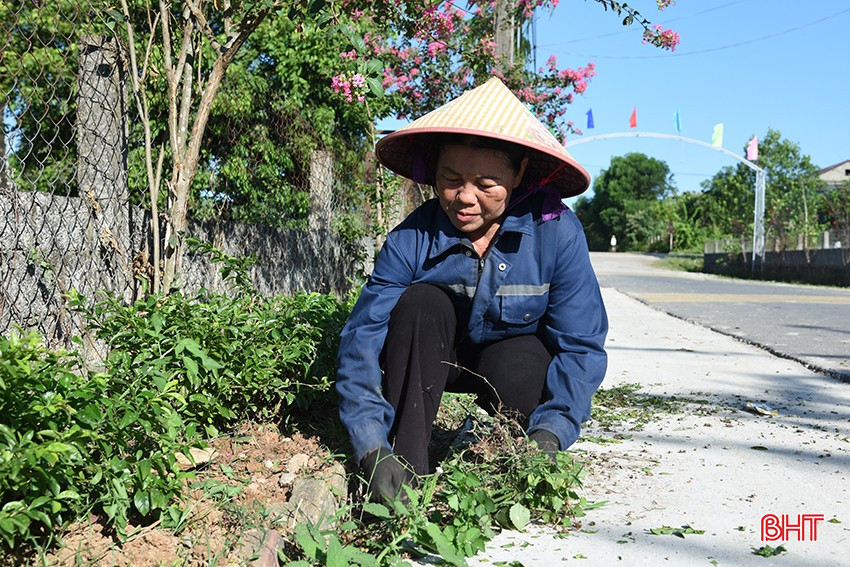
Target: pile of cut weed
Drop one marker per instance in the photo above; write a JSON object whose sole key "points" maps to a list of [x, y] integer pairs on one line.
{"points": [[623, 405]]}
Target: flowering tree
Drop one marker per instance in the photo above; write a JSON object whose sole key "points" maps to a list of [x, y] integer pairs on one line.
{"points": [[425, 53]]}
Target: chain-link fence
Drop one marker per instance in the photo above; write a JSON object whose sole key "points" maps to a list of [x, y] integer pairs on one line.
{"points": [[75, 200]]}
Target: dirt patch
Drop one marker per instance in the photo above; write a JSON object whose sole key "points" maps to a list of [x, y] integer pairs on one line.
{"points": [[244, 487]]}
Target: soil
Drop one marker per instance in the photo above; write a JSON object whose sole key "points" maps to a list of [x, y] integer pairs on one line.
{"points": [[258, 462]]}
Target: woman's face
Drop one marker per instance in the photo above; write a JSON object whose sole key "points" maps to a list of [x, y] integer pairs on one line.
{"points": [[474, 186]]}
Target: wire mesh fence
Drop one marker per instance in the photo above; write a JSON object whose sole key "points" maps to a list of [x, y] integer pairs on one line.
{"points": [[75, 199]]}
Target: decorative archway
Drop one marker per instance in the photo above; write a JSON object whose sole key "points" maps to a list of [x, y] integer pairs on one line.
{"points": [[758, 209]]}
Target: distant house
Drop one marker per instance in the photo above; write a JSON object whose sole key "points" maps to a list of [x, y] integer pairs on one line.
{"points": [[835, 175]]}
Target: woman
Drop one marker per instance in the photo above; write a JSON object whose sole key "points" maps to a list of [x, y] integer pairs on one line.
{"points": [[493, 276]]}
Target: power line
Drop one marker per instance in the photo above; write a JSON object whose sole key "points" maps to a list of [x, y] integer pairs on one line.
{"points": [[711, 49], [625, 31]]}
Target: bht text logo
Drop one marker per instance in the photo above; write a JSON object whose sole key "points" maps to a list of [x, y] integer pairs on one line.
{"points": [[780, 528]]}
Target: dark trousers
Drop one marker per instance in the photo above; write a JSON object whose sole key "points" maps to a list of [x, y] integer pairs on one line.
{"points": [[421, 359]]}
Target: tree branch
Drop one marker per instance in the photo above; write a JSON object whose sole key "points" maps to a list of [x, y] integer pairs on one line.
{"points": [[204, 25]]}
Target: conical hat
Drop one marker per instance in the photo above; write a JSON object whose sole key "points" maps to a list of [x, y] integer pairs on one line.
{"points": [[492, 111]]}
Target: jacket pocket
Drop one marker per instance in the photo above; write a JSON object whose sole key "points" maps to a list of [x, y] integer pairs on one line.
{"points": [[523, 309]]}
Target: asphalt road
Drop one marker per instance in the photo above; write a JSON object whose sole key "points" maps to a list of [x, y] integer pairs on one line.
{"points": [[809, 324]]}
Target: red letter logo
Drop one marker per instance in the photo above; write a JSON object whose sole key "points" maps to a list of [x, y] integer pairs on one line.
{"points": [[771, 528], [774, 528]]}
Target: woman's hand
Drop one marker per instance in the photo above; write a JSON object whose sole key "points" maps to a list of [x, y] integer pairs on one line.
{"points": [[386, 476]]}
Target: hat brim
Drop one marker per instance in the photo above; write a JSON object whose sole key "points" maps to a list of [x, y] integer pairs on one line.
{"points": [[395, 152]]}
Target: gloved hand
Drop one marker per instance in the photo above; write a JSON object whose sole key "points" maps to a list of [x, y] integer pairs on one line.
{"points": [[385, 475], [547, 442]]}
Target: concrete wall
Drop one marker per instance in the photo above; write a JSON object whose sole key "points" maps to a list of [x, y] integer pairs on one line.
{"points": [[50, 245], [824, 266]]}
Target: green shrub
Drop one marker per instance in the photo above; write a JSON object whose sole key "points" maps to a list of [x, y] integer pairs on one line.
{"points": [[44, 435], [225, 359], [72, 442]]}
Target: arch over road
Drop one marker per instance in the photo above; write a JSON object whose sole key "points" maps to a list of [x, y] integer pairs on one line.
{"points": [[758, 208]]}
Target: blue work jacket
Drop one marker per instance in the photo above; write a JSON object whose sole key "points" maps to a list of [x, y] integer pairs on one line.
{"points": [[536, 278]]}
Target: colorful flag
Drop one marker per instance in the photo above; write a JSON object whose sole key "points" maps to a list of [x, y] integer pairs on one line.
{"points": [[677, 119], [590, 118], [633, 119], [753, 149], [717, 136]]}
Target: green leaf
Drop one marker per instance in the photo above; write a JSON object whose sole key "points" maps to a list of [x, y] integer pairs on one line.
{"points": [[90, 415], [375, 86], [374, 66], [191, 366], [336, 556], [306, 540], [142, 502], [444, 547], [520, 516], [768, 551], [377, 510]]}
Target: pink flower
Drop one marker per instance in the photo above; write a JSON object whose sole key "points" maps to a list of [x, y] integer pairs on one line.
{"points": [[665, 39], [358, 80], [436, 47]]}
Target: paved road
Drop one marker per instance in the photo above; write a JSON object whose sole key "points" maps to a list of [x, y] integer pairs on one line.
{"points": [[810, 324]]}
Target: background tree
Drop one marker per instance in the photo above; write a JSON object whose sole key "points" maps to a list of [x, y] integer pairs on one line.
{"points": [[625, 203], [792, 193]]}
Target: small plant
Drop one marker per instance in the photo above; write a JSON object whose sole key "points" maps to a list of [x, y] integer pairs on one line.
{"points": [[72, 441], [768, 551]]}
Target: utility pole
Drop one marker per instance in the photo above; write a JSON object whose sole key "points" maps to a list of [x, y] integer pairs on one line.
{"points": [[505, 34]]}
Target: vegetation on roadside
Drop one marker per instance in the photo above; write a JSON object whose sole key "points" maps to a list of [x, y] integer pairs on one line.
{"points": [[682, 263]]}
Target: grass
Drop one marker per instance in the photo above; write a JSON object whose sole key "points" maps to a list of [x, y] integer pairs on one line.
{"points": [[682, 263]]}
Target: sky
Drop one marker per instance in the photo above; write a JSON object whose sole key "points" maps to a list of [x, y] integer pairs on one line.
{"points": [[748, 64]]}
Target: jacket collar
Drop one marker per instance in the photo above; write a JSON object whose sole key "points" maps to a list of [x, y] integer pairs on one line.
{"points": [[519, 219]]}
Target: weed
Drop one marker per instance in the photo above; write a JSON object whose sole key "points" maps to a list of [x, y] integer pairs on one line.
{"points": [[498, 482]]}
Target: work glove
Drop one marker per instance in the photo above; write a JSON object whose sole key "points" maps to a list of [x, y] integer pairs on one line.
{"points": [[385, 475], [547, 442]]}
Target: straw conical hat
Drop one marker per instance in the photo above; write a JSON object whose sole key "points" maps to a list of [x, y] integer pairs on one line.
{"points": [[490, 110]]}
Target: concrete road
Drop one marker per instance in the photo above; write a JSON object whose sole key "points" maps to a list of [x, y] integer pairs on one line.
{"points": [[810, 324]]}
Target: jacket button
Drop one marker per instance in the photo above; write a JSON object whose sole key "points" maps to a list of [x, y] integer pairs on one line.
{"points": [[526, 317], [502, 267], [468, 253]]}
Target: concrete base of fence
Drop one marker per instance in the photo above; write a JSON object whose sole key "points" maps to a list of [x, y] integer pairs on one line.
{"points": [[822, 266], [51, 244]]}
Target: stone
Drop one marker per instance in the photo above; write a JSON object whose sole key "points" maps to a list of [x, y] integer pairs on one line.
{"points": [[199, 457], [337, 481], [297, 462], [311, 501], [286, 479]]}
